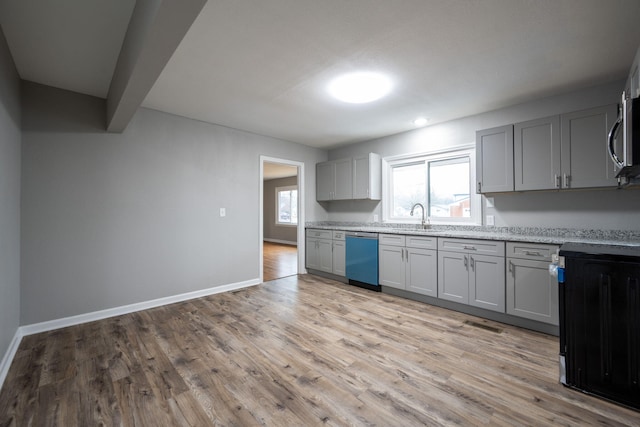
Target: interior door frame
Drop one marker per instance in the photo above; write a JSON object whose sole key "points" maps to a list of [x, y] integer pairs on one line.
{"points": [[301, 212]]}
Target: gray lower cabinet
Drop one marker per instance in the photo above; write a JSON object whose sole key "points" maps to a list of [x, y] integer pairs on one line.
{"points": [[531, 292], [472, 272], [409, 263], [319, 250], [339, 254]]}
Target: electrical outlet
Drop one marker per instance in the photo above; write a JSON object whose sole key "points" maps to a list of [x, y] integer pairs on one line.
{"points": [[223, 212], [491, 220], [375, 217]]}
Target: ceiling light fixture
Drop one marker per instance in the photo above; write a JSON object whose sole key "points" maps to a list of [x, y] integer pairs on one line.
{"points": [[361, 87], [420, 121]]}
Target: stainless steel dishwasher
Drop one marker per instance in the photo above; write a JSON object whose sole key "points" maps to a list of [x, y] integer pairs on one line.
{"points": [[362, 260]]}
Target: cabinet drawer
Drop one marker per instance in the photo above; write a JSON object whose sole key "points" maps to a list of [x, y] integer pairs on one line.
{"points": [[338, 235], [320, 234], [532, 251], [391, 239], [484, 247], [421, 242]]}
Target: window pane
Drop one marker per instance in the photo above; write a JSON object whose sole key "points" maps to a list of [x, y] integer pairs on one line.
{"points": [[294, 206], [287, 207], [449, 188], [409, 185], [284, 206]]}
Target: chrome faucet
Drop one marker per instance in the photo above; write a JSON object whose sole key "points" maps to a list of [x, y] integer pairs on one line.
{"points": [[424, 223]]}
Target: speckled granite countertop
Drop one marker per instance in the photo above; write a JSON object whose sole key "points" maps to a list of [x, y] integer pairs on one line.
{"points": [[515, 234]]}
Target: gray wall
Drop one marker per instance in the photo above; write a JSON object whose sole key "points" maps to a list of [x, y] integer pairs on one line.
{"points": [[271, 230], [115, 219], [596, 209], [9, 198]]}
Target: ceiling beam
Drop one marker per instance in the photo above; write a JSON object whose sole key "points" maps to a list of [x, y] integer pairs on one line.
{"points": [[156, 29]]}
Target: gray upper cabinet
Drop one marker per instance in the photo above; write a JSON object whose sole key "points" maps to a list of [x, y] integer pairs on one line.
{"points": [[334, 180], [536, 150], [349, 179], [325, 181], [494, 159], [367, 177], [585, 160], [558, 152], [344, 180]]}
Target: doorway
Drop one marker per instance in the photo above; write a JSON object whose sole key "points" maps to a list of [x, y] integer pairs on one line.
{"points": [[281, 218]]}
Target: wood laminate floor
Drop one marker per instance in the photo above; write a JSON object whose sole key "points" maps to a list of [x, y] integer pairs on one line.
{"points": [[279, 260], [299, 351]]}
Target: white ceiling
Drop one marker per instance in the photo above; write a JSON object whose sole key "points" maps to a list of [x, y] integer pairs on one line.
{"points": [[277, 170], [263, 66]]}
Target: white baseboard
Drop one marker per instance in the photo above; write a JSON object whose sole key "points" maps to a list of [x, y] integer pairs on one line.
{"points": [[131, 308], [284, 242], [5, 364]]}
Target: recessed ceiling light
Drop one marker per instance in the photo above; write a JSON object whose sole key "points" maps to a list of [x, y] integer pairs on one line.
{"points": [[359, 88], [420, 121]]}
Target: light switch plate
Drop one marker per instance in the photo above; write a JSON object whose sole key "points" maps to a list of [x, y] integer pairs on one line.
{"points": [[491, 220], [375, 217], [223, 212]]}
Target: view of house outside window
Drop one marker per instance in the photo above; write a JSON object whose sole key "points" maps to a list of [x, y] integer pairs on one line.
{"points": [[449, 188], [287, 205], [441, 183]]}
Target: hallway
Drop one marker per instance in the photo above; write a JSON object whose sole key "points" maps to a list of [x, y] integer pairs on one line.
{"points": [[279, 261]]}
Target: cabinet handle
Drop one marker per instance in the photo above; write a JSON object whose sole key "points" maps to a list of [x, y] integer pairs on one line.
{"points": [[567, 178], [473, 264], [510, 267], [532, 253], [470, 248], [557, 178], [479, 187], [466, 262]]}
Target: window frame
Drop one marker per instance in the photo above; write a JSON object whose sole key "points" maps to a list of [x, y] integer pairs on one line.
{"points": [[390, 162], [277, 219]]}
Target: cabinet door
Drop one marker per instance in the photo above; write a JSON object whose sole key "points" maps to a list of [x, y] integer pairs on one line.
{"points": [[536, 146], [585, 158], [325, 255], [339, 257], [532, 292], [422, 271], [486, 282], [343, 180], [494, 159], [325, 181], [391, 266], [312, 257], [453, 276], [367, 177]]}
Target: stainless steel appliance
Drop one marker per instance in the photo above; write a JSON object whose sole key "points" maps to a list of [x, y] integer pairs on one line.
{"points": [[628, 161], [600, 321], [362, 260], [625, 154]]}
